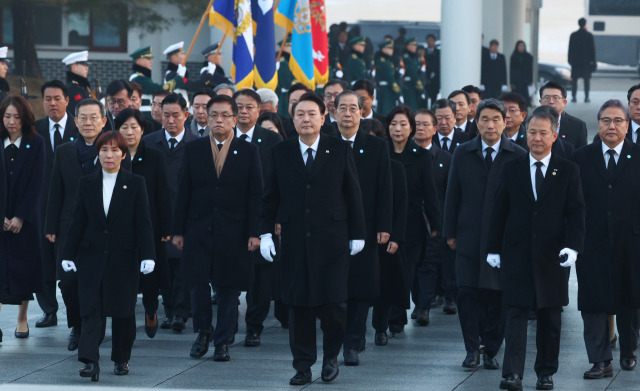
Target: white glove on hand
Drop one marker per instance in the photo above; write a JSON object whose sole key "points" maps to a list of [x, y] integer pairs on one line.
{"points": [[182, 70], [68, 266], [147, 266], [401, 71], [505, 88], [267, 248], [481, 88], [211, 68], [356, 246], [572, 256], [493, 260], [401, 99]]}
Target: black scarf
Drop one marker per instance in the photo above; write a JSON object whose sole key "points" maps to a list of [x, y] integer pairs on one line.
{"points": [[87, 155]]}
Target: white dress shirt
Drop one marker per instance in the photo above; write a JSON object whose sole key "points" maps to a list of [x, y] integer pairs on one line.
{"points": [[304, 147], [634, 131], [178, 138], [52, 129], [7, 142], [351, 140], [249, 133], [463, 127], [108, 184], [515, 137], [532, 166], [449, 136], [496, 148], [559, 118], [370, 116], [605, 149]]}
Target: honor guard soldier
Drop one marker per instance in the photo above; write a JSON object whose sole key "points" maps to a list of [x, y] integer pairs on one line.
{"points": [[412, 88], [212, 73], [285, 78], [77, 83], [356, 66], [388, 89], [176, 57], [142, 61], [4, 86]]}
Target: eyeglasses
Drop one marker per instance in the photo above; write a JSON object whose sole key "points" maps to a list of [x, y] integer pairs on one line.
{"points": [[617, 121], [117, 102], [93, 119], [549, 98], [330, 96], [635, 102], [224, 116]]}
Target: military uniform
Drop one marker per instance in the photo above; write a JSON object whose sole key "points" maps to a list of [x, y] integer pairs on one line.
{"points": [[285, 81], [4, 88], [209, 78], [388, 90], [356, 66], [78, 87], [412, 87]]}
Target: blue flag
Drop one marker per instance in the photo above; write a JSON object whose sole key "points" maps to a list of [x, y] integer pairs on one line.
{"points": [[295, 17], [264, 62]]}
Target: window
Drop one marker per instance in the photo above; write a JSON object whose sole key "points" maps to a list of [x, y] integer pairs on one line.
{"points": [[109, 32], [614, 7], [7, 26], [47, 25], [78, 28]]}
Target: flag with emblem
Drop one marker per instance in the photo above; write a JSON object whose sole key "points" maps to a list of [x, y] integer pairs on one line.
{"points": [[264, 62], [294, 16], [233, 17], [320, 44]]}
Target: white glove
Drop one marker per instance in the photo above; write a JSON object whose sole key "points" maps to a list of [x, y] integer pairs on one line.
{"points": [[356, 246], [401, 71], [339, 74], [481, 88], [147, 266], [267, 248], [493, 260], [401, 99], [68, 266], [211, 68], [572, 256], [277, 65], [505, 88], [182, 70]]}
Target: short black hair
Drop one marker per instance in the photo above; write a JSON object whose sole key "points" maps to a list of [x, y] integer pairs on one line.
{"points": [[491, 103], [407, 112], [136, 87], [515, 98], [470, 89], [494, 42], [443, 104], [160, 92], [336, 103], [311, 97], [55, 84], [546, 112], [554, 85], [459, 92], [631, 91], [223, 99], [429, 113], [363, 84], [431, 36], [374, 126], [207, 91], [118, 85], [88, 102], [248, 92], [615, 103], [297, 87], [127, 113], [582, 22], [333, 82], [176, 99], [275, 118]]}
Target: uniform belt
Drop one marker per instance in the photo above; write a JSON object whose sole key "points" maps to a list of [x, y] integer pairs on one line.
{"points": [[383, 83], [408, 78]]}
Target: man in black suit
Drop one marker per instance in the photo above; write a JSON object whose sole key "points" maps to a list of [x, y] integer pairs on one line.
{"points": [[448, 138], [633, 101], [365, 89], [582, 58], [332, 89], [119, 94], [171, 143], [56, 128], [259, 296], [608, 272], [199, 125], [432, 58], [371, 156], [294, 93], [313, 193], [493, 74], [476, 170], [538, 216], [136, 103], [463, 100], [570, 128], [216, 222]]}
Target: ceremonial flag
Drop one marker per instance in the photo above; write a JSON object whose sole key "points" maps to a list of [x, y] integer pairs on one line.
{"points": [[320, 44], [234, 18], [264, 62], [294, 16]]}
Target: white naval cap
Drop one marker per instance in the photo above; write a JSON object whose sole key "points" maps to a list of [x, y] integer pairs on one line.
{"points": [[173, 48], [76, 57], [3, 52]]}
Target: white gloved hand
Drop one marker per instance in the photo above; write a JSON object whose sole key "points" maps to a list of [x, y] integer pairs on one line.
{"points": [[481, 88], [504, 88], [182, 70], [493, 260], [401, 71], [147, 266], [356, 246], [277, 65], [401, 99], [211, 68], [267, 248], [68, 266], [572, 256], [339, 74]]}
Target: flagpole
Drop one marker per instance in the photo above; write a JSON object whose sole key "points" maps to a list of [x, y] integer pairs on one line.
{"points": [[220, 44], [284, 41], [195, 37]]}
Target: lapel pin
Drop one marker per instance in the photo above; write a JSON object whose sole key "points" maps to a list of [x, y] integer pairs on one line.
{"points": [[628, 156], [327, 151], [414, 150], [235, 152], [441, 165], [553, 173], [457, 144], [362, 151], [71, 139], [28, 146], [124, 187], [259, 140], [563, 136], [139, 159]]}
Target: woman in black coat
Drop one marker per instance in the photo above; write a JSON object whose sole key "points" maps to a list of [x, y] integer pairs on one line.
{"points": [[20, 260], [149, 164], [109, 235], [521, 71], [423, 211]]}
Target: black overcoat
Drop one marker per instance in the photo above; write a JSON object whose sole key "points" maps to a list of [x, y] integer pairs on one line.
{"points": [[573, 130], [457, 137], [582, 54], [493, 75]]}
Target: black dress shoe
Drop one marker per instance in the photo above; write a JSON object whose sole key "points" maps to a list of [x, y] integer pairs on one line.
{"points": [[489, 362], [151, 325], [221, 353], [414, 313], [166, 323], [351, 357], [0, 335], [329, 370], [450, 308], [201, 346], [511, 382], [21, 334], [628, 363], [74, 339], [252, 340], [121, 368], [48, 320], [177, 324], [599, 370], [396, 328], [422, 317], [544, 383], [301, 378], [472, 360], [91, 370], [437, 301], [381, 339]]}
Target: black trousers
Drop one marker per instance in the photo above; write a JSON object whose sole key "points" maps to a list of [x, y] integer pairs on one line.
{"points": [[596, 334], [47, 297], [123, 332], [481, 313], [227, 314], [574, 86], [259, 297], [150, 287], [548, 326], [175, 299], [356, 326], [414, 254], [69, 289], [380, 315], [302, 333]]}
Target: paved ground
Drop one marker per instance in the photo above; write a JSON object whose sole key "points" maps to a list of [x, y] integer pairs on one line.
{"points": [[422, 358]]}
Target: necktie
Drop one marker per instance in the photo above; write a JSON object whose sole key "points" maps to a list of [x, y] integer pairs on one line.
{"points": [[611, 167], [539, 178], [638, 136], [244, 137], [309, 159], [445, 143], [351, 144], [487, 158], [173, 143], [457, 129], [57, 137], [201, 131], [219, 146]]}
